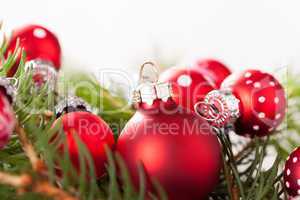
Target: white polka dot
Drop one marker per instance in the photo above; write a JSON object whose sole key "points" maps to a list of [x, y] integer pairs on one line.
{"points": [[249, 82], [276, 100], [272, 83], [261, 99], [261, 115], [295, 159], [278, 116], [287, 184], [248, 74], [298, 191], [256, 127], [184, 80], [257, 85], [298, 182], [39, 33], [288, 172]]}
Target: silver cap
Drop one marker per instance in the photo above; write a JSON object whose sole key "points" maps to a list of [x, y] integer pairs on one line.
{"points": [[45, 70], [220, 107], [9, 85], [71, 104], [149, 89]]}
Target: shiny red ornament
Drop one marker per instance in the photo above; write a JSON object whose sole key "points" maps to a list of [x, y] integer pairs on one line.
{"points": [[291, 174], [188, 86], [39, 43], [7, 119], [213, 70], [93, 132], [252, 100]]}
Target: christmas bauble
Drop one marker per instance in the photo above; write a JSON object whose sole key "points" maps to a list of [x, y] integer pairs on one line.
{"points": [[213, 70], [39, 44], [7, 119], [188, 86], [292, 173], [173, 145], [92, 131], [253, 100]]}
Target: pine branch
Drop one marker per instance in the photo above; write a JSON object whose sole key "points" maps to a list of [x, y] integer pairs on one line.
{"points": [[25, 183], [36, 163]]}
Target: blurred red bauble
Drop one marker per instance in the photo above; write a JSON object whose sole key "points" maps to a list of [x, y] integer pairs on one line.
{"points": [[39, 44], [291, 174], [189, 86], [214, 71], [7, 119], [92, 132], [174, 146]]}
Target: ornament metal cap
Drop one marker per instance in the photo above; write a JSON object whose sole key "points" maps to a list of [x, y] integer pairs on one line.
{"points": [[149, 89], [220, 107], [10, 87], [71, 104], [43, 72]]}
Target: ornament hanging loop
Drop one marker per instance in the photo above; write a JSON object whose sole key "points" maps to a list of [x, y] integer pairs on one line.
{"points": [[143, 77], [149, 88], [206, 111], [220, 107]]}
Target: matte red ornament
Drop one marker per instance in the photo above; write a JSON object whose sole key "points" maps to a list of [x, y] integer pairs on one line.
{"points": [[173, 145], [93, 132], [188, 86], [39, 43], [185, 160], [213, 70], [7, 119], [252, 100], [291, 174]]}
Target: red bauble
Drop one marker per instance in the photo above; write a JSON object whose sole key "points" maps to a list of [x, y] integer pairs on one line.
{"points": [[214, 71], [93, 132], [39, 44], [189, 86], [7, 119], [253, 101], [175, 147], [292, 173], [262, 102]]}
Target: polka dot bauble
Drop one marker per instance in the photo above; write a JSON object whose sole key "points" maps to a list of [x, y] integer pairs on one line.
{"points": [[253, 101], [292, 173]]}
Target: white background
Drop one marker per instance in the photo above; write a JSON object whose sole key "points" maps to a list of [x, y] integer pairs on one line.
{"points": [[122, 34]]}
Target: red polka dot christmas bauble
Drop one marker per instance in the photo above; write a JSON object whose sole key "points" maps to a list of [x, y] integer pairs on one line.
{"points": [[262, 102], [292, 173], [253, 101]]}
